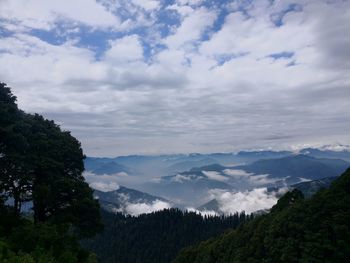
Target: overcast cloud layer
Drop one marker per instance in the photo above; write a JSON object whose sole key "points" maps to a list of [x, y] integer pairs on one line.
{"points": [[182, 76]]}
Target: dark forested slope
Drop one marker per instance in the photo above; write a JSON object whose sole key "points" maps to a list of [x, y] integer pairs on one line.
{"points": [[296, 230], [155, 237]]}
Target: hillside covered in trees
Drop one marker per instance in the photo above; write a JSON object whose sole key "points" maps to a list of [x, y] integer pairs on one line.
{"points": [[296, 230], [42, 165], [156, 237]]}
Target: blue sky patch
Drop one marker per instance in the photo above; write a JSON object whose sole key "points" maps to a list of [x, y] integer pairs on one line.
{"points": [[282, 55]]}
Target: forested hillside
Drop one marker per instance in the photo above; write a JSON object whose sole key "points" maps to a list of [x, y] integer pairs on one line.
{"points": [[296, 230], [156, 237], [42, 165]]}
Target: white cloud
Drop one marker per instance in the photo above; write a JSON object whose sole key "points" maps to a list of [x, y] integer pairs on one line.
{"points": [[104, 186], [182, 10], [255, 179], [104, 183], [43, 14], [263, 179], [54, 64], [302, 180], [126, 49], [223, 93], [202, 212], [248, 201], [147, 4], [179, 178], [156, 180], [191, 28], [142, 208], [321, 146], [215, 176], [335, 147], [122, 174], [237, 174]]}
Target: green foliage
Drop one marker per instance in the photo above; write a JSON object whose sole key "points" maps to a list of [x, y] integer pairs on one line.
{"points": [[25, 241], [42, 164], [296, 230], [155, 237]]}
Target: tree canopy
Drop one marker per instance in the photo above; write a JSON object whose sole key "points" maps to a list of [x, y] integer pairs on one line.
{"points": [[41, 164]]}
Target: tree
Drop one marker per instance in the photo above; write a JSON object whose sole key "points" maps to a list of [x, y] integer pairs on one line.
{"points": [[43, 164], [14, 180]]}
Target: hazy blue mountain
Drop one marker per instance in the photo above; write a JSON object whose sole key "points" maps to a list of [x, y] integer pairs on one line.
{"points": [[187, 165], [296, 167], [118, 200], [187, 188], [345, 155], [211, 167], [193, 186], [250, 169], [105, 166], [161, 165], [92, 163], [293, 168], [252, 156], [149, 165], [133, 160], [110, 168]]}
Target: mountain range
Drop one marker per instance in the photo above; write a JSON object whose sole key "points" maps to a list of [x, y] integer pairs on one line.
{"points": [[208, 175], [192, 187], [161, 165]]}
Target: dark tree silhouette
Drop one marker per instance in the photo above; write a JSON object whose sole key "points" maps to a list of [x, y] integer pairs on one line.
{"points": [[42, 164]]}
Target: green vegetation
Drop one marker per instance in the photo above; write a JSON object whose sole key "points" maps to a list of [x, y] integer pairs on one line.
{"points": [[156, 237], [42, 165], [296, 230]]}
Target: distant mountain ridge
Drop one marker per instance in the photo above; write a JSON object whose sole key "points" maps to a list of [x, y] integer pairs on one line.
{"points": [[325, 153], [118, 200], [168, 164], [297, 167], [234, 172], [104, 166], [194, 184]]}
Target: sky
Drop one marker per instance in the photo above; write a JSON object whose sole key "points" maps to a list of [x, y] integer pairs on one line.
{"points": [[156, 76]]}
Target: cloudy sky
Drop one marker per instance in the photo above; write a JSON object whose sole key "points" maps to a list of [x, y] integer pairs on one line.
{"points": [[156, 76]]}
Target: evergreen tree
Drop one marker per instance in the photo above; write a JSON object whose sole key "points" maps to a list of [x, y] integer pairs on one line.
{"points": [[42, 164]]}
